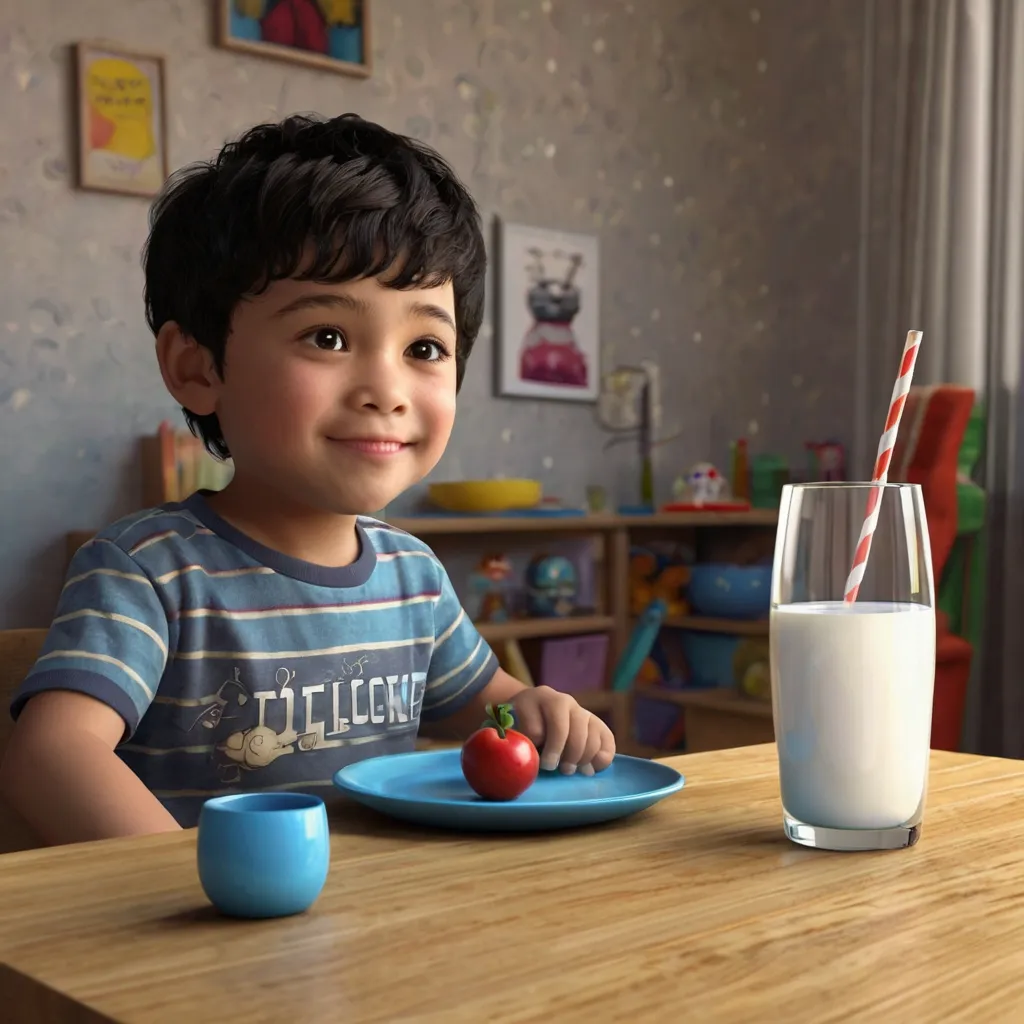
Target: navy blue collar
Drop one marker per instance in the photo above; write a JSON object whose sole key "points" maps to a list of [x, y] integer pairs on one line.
{"points": [[352, 575]]}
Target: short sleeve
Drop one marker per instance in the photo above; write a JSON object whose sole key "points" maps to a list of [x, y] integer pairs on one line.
{"points": [[109, 638], [461, 664]]}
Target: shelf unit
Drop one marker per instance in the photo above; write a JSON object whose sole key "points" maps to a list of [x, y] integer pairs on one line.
{"points": [[719, 718], [524, 629]]}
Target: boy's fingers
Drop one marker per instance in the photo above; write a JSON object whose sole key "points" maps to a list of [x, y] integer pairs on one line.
{"points": [[556, 733], [593, 745], [576, 743], [606, 754], [530, 721]]}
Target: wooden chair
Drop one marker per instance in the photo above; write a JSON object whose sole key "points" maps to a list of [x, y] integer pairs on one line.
{"points": [[19, 649]]}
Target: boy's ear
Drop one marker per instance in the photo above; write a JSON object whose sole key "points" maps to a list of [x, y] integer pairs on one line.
{"points": [[188, 370]]}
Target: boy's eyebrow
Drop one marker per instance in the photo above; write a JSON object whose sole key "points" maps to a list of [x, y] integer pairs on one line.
{"points": [[432, 312], [321, 300]]}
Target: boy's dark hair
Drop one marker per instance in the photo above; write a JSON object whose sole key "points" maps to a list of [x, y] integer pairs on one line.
{"points": [[224, 230]]}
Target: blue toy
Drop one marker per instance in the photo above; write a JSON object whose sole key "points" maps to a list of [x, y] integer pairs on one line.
{"points": [[638, 649], [550, 587]]}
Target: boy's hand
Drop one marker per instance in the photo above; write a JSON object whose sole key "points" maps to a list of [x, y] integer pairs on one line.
{"points": [[568, 736]]}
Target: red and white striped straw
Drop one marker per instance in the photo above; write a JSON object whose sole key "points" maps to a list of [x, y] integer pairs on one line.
{"points": [[881, 471]]}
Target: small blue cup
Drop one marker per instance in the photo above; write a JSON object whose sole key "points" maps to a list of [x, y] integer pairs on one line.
{"points": [[263, 854]]}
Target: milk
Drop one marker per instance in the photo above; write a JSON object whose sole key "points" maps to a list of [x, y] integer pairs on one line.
{"points": [[852, 702]]}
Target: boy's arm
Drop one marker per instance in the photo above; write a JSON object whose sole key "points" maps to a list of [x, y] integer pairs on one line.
{"points": [[502, 689], [60, 773], [100, 667]]}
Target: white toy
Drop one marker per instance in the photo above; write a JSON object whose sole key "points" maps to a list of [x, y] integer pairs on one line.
{"points": [[702, 485]]}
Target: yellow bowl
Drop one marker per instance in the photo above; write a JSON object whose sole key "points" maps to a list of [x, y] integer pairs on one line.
{"points": [[485, 495]]}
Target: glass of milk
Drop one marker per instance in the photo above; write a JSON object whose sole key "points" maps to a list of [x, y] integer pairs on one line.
{"points": [[852, 683]]}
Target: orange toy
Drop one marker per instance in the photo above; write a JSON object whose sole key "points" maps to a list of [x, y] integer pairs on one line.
{"points": [[646, 584], [495, 569], [650, 674]]}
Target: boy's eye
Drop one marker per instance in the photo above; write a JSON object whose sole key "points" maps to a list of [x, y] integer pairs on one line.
{"points": [[429, 350], [328, 339]]}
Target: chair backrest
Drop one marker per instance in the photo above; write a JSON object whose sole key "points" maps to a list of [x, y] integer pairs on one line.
{"points": [[927, 452], [19, 649]]}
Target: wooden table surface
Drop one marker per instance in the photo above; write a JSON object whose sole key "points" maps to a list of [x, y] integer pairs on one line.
{"points": [[698, 910]]}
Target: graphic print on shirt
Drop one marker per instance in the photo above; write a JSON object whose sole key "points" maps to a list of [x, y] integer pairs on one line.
{"points": [[353, 702]]}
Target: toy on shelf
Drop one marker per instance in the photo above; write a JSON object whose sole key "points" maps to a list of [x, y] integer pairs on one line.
{"points": [[491, 581], [750, 667], [650, 674], [597, 500], [550, 587], [768, 475], [740, 470], [828, 460], [725, 591], [704, 485], [639, 646], [650, 579], [708, 658], [703, 488]]}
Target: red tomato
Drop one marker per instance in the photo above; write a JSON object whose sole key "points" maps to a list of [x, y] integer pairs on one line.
{"points": [[498, 762]]}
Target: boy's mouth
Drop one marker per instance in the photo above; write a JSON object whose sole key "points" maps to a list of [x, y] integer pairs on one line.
{"points": [[372, 445]]}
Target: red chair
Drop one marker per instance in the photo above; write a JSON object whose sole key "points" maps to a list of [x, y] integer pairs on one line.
{"points": [[926, 453]]}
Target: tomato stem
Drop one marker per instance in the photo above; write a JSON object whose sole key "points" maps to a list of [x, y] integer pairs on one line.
{"points": [[499, 717]]}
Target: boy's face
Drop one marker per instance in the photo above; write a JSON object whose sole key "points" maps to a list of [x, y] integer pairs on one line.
{"points": [[339, 396]]}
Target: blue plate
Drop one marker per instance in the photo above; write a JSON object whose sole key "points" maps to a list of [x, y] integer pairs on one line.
{"points": [[428, 788]]}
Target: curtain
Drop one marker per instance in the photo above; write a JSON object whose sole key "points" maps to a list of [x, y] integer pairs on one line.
{"points": [[942, 250]]}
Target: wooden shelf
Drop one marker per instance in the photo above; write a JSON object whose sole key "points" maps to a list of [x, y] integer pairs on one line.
{"points": [[754, 517], [422, 526], [595, 700], [724, 699], [521, 629], [739, 627]]}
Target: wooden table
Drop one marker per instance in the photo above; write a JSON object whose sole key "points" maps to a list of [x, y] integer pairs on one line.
{"points": [[697, 910]]}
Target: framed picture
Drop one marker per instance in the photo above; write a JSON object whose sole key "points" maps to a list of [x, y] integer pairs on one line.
{"points": [[122, 119], [547, 310], [329, 34]]}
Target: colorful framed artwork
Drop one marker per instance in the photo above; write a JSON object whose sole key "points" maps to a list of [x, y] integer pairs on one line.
{"points": [[548, 314], [121, 100], [329, 34]]}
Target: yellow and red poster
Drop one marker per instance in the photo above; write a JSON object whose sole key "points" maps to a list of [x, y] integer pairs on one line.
{"points": [[122, 145]]}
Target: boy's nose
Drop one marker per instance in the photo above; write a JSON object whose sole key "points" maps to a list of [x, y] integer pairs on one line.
{"points": [[382, 393], [387, 404]]}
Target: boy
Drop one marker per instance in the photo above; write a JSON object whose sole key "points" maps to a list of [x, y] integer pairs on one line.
{"points": [[314, 292]]}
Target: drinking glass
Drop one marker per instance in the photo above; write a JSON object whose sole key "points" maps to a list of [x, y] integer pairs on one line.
{"points": [[852, 682]]}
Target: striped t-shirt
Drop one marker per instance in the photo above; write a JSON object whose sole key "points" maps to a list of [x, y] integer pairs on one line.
{"points": [[237, 668]]}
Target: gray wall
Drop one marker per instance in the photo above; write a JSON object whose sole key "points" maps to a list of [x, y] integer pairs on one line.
{"points": [[712, 144]]}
